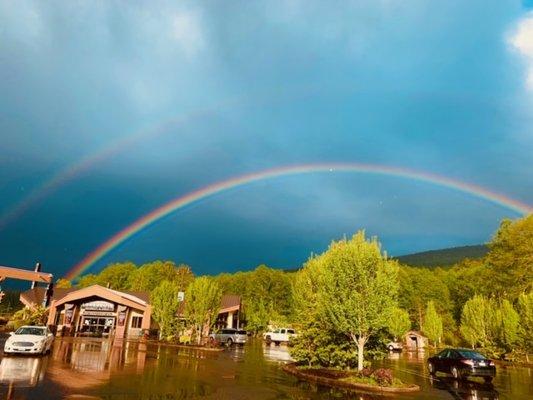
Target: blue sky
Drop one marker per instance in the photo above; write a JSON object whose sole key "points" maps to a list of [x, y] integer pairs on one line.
{"points": [[232, 88]]}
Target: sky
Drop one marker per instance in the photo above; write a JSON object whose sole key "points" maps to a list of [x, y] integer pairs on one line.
{"points": [[109, 110]]}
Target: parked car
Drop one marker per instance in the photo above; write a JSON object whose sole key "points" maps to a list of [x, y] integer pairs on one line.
{"points": [[280, 335], [229, 336], [395, 346], [29, 340], [461, 363]]}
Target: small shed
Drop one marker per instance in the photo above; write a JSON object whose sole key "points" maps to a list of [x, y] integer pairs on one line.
{"points": [[414, 340]]}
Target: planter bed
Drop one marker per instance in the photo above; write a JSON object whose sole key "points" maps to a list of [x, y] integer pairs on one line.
{"points": [[339, 379]]}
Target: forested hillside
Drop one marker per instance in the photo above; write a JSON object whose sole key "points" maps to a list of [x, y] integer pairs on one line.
{"points": [[444, 257]]}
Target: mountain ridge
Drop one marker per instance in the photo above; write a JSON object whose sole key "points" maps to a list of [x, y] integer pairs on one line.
{"points": [[443, 257]]}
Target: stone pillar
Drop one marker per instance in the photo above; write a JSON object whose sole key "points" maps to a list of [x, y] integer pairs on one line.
{"points": [[122, 321], [147, 318], [70, 315], [229, 321], [52, 312]]}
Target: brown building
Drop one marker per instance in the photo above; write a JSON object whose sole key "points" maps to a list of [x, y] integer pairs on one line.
{"points": [[414, 340], [100, 311]]}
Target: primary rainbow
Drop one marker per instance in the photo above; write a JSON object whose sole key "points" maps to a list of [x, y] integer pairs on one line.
{"points": [[216, 188]]}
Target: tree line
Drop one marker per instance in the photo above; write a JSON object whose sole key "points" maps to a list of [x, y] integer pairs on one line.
{"points": [[483, 303]]}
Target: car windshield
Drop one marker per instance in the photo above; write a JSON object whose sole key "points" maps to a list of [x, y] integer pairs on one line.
{"points": [[28, 330], [241, 332], [471, 354]]}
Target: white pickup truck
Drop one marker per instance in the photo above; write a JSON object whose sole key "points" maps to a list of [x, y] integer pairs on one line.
{"points": [[280, 335]]}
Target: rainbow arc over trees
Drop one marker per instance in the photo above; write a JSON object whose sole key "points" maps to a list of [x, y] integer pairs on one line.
{"points": [[243, 180]]}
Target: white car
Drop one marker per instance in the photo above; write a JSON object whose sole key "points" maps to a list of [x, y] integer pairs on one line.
{"points": [[29, 340], [280, 335], [395, 346]]}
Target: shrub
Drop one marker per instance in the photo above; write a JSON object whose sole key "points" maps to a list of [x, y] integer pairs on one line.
{"points": [[383, 376]]}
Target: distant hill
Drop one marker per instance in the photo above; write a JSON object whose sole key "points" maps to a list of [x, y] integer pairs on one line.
{"points": [[443, 257]]}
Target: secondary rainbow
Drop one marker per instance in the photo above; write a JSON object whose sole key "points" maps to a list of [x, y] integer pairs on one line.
{"points": [[219, 187], [89, 161]]}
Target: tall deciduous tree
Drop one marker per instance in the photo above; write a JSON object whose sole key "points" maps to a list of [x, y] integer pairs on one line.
{"points": [[358, 289], [511, 258], [202, 303], [473, 321], [148, 276], [116, 275], [509, 325], [432, 325], [525, 312], [165, 307], [317, 343], [399, 323]]}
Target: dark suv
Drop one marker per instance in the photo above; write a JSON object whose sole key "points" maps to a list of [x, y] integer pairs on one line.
{"points": [[229, 336], [462, 363]]}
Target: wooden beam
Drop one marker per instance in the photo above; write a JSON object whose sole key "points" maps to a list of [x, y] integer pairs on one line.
{"points": [[25, 275]]}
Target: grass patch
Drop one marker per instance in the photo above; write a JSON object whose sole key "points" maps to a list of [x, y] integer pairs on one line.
{"points": [[368, 380]]}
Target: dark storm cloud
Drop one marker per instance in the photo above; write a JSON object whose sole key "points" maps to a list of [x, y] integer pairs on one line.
{"points": [[440, 87]]}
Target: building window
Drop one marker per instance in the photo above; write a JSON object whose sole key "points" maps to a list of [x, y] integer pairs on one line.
{"points": [[136, 322]]}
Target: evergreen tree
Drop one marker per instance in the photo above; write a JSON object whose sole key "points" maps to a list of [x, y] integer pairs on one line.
{"points": [[432, 326]]}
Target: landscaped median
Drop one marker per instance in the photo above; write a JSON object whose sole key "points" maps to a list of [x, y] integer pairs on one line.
{"points": [[379, 380]]}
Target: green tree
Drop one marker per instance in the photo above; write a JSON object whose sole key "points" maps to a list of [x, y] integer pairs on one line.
{"points": [[317, 342], [257, 316], [202, 303], [265, 292], [525, 312], [465, 280], [148, 276], [432, 325], [399, 323], [479, 322], [87, 280], [509, 328], [63, 284], [358, 289], [29, 316], [165, 307], [510, 258], [116, 276], [420, 285]]}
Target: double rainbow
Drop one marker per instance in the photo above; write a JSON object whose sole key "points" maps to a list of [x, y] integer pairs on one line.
{"points": [[219, 187]]}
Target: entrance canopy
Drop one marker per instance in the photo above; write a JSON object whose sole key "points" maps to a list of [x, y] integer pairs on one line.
{"points": [[114, 296]]}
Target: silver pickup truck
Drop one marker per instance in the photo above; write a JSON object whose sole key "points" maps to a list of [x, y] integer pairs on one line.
{"points": [[229, 336]]}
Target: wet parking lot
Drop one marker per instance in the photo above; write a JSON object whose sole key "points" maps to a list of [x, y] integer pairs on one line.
{"points": [[101, 369]]}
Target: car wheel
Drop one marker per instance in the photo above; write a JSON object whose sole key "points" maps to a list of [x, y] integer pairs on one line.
{"points": [[455, 373], [276, 343], [488, 379], [229, 342], [268, 340], [431, 369]]}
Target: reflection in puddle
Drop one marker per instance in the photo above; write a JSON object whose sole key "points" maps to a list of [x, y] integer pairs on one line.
{"points": [[465, 389], [21, 371], [122, 370], [82, 364], [277, 353]]}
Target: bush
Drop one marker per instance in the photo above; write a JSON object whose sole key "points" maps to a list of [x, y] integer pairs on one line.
{"points": [[383, 376], [28, 316]]}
